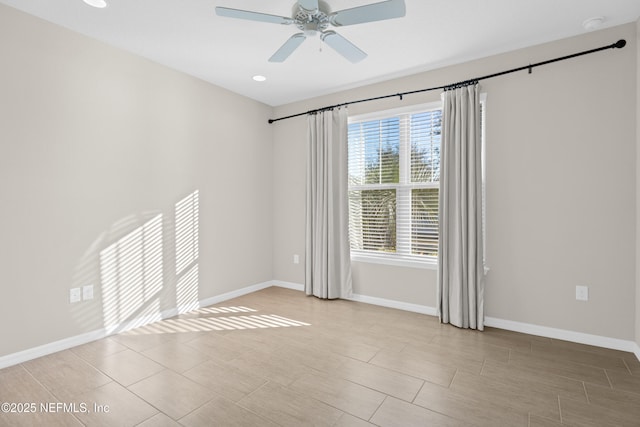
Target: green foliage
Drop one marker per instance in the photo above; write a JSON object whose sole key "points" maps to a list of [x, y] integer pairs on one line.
{"points": [[386, 168]]}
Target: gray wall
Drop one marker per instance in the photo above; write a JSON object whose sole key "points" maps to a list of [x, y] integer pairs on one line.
{"points": [[95, 143], [561, 186]]}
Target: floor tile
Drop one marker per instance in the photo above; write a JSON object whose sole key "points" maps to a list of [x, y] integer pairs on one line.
{"points": [[225, 380], [483, 348], [633, 363], [172, 393], [384, 380], [508, 339], [472, 409], [139, 340], [397, 413], [375, 339], [533, 379], [159, 420], [99, 349], [342, 394], [515, 336], [65, 374], [351, 348], [559, 366], [218, 348], [607, 352], [625, 382], [278, 369], [554, 351], [266, 340], [128, 367], [290, 408], [459, 360], [580, 414], [348, 420], [402, 332], [536, 421], [114, 405], [414, 365], [317, 357], [18, 387], [541, 400], [173, 356], [621, 401], [223, 412]]}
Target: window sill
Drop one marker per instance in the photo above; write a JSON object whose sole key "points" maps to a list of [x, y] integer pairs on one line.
{"points": [[394, 260]]}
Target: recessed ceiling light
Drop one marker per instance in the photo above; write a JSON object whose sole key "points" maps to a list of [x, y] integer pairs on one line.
{"points": [[259, 78], [96, 3], [593, 23]]}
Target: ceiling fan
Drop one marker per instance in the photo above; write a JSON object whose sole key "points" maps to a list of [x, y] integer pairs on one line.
{"points": [[314, 17]]}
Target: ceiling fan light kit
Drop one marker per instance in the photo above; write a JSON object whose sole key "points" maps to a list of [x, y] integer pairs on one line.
{"points": [[314, 17], [100, 4]]}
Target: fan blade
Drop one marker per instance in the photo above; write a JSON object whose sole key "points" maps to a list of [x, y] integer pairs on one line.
{"points": [[288, 47], [309, 5], [252, 16], [343, 46], [369, 13]]}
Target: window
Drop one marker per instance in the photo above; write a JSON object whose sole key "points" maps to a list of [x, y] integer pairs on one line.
{"points": [[394, 174]]}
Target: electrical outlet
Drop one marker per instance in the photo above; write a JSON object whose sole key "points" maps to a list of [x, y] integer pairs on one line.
{"points": [[87, 292], [582, 293], [74, 295], [296, 259]]}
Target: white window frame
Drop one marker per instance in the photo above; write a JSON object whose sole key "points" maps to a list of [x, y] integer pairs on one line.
{"points": [[402, 257], [403, 189]]}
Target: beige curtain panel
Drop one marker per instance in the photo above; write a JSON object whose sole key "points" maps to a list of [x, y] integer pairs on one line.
{"points": [[327, 252], [460, 254]]}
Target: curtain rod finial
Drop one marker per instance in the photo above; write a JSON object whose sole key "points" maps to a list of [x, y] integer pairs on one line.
{"points": [[620, 43]]}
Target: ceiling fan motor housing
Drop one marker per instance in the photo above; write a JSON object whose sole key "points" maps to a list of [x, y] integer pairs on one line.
{"points": [[312, 22]]}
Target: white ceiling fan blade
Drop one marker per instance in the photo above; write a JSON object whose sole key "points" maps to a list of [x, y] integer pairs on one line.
{"points": [[309, 5], [288, 47], [343, 46], [368, 13], [252, 16]]}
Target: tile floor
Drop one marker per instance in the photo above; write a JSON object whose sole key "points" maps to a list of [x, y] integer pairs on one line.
{"points": [[278, 358]]}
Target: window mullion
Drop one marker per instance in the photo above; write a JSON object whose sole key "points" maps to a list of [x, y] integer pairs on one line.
{"points": [[403, 194], [405, 151]]}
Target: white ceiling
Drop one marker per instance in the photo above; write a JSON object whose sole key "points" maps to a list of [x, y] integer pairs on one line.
{"points": [[188, 36]]}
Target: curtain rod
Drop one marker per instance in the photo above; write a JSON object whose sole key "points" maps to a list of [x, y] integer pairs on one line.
{"points": [[617, 45]]}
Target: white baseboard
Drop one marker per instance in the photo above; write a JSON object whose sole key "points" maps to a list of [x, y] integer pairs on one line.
{"points": [[636, 350], [67, 343], [138, 322], [288, 285], [54, 347], [562, 334], [400, 305], [234, 294]]}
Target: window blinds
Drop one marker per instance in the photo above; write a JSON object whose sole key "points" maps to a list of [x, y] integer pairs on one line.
{"points": [[394, 171]]}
